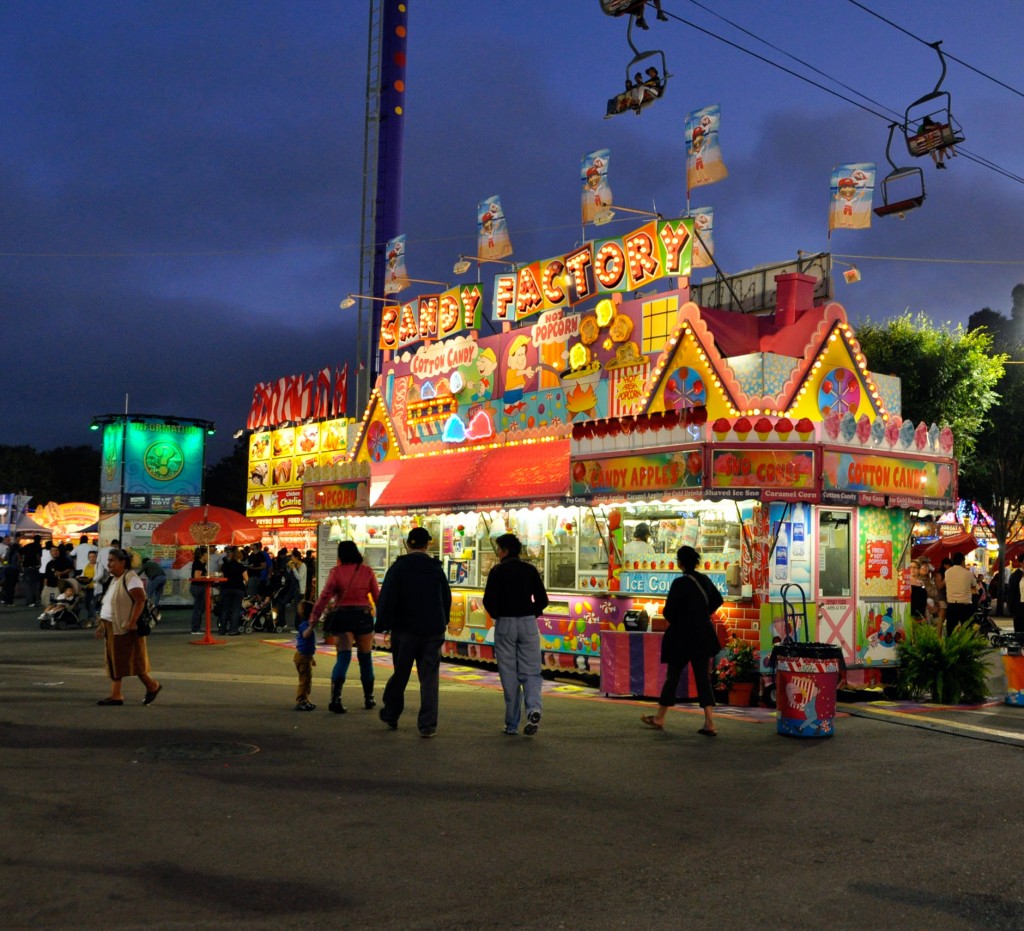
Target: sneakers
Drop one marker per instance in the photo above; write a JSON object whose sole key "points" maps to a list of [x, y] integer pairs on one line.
{"points": [[428, 731], [534, 722], [305, 706], [383, 715], [509, 731], [368, 702]]}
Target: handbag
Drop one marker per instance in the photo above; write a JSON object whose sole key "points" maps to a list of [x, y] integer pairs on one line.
{"points": [[149, 617]]}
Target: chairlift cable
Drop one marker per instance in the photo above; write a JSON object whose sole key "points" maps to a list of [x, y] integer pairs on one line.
{"points": [[947, 54], [904, 258], [789, 55], [970, 156]]}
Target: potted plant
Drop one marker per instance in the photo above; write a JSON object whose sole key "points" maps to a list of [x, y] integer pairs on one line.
{"points": [[951, 669], [736, 672]]}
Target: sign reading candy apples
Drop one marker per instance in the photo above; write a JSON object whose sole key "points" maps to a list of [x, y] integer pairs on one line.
{"points": [[651, 472]]}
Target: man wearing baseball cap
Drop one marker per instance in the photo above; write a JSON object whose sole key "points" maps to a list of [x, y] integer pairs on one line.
{"points": [[414, 605]]}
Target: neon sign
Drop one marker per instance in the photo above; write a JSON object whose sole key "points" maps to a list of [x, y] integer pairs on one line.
{"points": [[659, 249], [431, 316]]}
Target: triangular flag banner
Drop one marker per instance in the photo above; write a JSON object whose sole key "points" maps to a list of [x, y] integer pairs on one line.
{"points": [[704, 163], [596, 196], [850, 196], [492, 230], [396, 278]]}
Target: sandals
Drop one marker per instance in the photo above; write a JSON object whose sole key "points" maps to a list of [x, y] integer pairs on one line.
{"points": [[650, 721], [707, 732]]}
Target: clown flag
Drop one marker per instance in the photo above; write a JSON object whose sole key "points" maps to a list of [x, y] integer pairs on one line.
{"points": [[492, 230], [596, 195], [850, 196], [703, 156], [704, 244], [396, 276]]}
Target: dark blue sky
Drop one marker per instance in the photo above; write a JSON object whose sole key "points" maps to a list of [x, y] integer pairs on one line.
{"points": [[180, 182]]}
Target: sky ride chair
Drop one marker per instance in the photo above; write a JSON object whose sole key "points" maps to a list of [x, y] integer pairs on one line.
{"points": [[928, 124], [903, 188], [640, 94]]}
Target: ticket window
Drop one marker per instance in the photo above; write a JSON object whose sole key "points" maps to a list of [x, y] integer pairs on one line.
{"points": [[834, 554]]}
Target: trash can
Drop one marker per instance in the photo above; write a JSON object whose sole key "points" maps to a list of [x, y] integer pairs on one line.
{"points": [[806, 676], [1011, 648]]}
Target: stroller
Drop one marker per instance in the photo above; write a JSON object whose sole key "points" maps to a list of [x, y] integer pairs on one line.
{"points": [[63, 610], [986, 626], [259, 614]]}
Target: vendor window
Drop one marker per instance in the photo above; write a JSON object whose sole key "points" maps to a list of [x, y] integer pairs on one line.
{"points": [[834, 554]]}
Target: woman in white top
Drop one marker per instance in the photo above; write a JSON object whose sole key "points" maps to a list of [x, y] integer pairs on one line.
{"points": [[125, 649]]}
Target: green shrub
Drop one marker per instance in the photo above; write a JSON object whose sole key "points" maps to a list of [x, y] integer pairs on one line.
{"points": [[951, 669]]}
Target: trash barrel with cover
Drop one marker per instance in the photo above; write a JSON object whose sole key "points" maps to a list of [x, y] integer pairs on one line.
{"points": [[806, 676], [1011, 648]]}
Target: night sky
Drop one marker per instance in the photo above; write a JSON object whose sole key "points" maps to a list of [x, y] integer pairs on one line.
{"points": [[180, 182]]}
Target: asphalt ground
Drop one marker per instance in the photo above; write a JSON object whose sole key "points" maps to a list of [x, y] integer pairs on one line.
{"points": [[219, 806]]}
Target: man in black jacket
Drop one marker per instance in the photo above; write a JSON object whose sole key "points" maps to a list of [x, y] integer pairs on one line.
{"points": [[513, 597], [415, 602]]}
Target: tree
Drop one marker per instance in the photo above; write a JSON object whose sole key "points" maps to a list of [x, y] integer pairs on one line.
{"points": [[67, 473], [948, 375], [226, 480], [997, 481]]}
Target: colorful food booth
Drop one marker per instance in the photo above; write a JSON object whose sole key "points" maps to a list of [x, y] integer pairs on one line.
{"points": [[607, 428]]}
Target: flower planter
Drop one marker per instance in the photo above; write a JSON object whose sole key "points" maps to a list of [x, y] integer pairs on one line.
{"points": [[740, 694]]}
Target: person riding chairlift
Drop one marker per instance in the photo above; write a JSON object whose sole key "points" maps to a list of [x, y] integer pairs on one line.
{"points": [[942, 152]]}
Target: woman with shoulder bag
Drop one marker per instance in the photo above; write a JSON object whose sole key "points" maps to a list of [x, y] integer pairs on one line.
{"points": [[126, 653], [690, 638], [350, 588]]}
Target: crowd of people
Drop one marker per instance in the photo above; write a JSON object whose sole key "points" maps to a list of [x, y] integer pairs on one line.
{"points": [[45, 574], [948, 594], [412, 605]]}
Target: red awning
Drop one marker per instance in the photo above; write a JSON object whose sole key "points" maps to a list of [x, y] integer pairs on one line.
{"points": [[534, 474], [945, 547]]}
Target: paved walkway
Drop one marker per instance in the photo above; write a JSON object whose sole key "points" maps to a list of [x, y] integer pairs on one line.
{"points": [[218, 806]]}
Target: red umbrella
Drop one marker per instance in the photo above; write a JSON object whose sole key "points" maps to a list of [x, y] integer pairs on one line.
{"points": [[945, 547], [207, 526]]}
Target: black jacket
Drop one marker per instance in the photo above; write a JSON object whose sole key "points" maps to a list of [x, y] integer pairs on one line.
{"points": [[514, 589], [414, 597], [692, 599]]}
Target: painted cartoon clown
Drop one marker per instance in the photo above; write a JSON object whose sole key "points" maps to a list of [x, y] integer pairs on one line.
{"points": [[697, 144], [517, 374], [847, 194]]}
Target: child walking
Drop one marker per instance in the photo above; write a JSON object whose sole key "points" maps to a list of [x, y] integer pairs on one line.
{"points": [[305, 651]]}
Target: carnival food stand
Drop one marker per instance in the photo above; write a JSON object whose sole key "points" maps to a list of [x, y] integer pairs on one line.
{"points": [[763, 440]]}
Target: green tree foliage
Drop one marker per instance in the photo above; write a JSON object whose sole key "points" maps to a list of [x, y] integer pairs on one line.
{"points": [[68, 473], [997, 480], [949, 375]]}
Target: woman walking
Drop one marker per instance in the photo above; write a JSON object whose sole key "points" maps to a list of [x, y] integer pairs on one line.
{"points": [[125, 650], [514, 596], [690, 638], [350, 586]]}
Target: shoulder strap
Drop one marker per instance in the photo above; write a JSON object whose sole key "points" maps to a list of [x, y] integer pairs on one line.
{"points": [[700, 588]]}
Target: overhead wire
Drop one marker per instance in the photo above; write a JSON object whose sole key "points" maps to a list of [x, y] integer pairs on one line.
{"points": [[978, 71], [966, 153]]}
